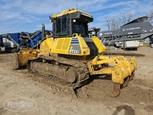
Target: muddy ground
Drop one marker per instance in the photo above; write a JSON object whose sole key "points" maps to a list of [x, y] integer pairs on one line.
{"points": [[93, 99]]}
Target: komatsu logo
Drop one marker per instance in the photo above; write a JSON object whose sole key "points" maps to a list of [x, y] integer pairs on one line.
{"points": [[74, 50]]}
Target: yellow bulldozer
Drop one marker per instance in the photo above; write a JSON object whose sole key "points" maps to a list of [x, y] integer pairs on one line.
{"points": [[69, 56]]}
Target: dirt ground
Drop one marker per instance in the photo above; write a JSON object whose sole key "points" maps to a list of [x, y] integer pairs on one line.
{"points": [[93, 99]]}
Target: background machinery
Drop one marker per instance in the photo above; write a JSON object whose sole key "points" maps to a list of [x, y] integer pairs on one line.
{"points": [[70, 56], [128, 35], [13, 42]]}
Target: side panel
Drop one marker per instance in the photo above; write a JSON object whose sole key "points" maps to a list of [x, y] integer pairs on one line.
{"points": [[101, 48], [70, 46], [46, 46], [92, 47]]}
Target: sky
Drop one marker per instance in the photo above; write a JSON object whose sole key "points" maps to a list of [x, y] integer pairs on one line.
{"points": [[28, 15]]}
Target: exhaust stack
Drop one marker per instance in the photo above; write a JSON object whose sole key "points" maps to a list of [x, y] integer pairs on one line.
{"points": [[43, 30]]}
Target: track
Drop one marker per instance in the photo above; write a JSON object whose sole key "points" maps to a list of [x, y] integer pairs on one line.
{"points": [[67, 72]]}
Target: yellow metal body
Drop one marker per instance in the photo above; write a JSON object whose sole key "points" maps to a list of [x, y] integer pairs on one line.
{"points": [[64, 46], [65, 12], [23, 56], [119, 67]]}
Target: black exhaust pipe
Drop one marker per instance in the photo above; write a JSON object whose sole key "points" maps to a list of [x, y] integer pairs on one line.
{"points": [[43, 30]]}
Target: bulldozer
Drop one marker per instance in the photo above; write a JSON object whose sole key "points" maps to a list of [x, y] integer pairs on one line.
{"points": [[70, 57]]}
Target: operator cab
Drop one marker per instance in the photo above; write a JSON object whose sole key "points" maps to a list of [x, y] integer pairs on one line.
{"points": [[69, 22]]}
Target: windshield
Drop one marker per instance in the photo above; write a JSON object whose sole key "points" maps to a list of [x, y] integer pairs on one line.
{"points": [[80, 28]]}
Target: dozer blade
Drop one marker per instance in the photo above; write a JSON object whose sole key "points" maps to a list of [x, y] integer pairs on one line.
{"points": [[23, 56], [116, 90], [121, 69], [132, 76], [126, 82]]}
